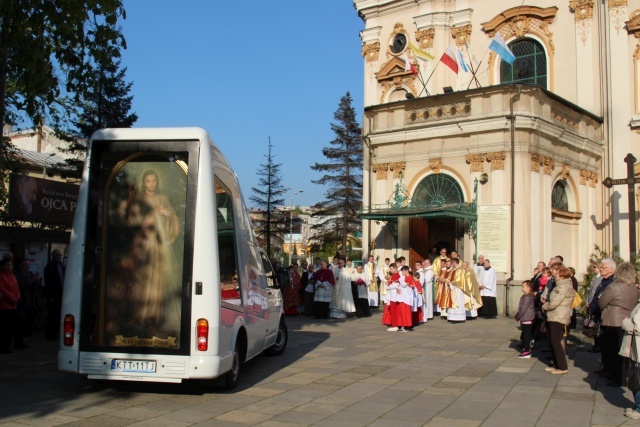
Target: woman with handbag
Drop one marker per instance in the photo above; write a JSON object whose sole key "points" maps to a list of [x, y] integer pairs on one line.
{"points": [[558, 309], [616, 303], [630, 349]]}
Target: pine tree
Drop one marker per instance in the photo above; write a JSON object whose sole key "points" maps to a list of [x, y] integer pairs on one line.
{"points": [[267, 197], [106, 104], [339, 213]]}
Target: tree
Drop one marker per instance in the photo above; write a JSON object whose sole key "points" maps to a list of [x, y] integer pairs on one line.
{"points": [[339, 212], [105, 104], [267, 196], [45, 52]]}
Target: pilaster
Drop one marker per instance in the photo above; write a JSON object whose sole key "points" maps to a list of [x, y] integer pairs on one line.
{"points": [[585, 76]]}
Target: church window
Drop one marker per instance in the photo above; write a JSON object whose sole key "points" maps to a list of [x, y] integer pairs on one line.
{"points": [[530, 66], [438, 189], [559, 197]]}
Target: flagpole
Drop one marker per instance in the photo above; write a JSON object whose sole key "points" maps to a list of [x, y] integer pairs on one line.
{"points": [[474, 76], [478, 67], [424, 85], [473, 72], [433, 71]]}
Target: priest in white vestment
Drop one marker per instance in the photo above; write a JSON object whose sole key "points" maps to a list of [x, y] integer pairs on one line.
{"points": [[457, 312], [342, 298], [488, 291], [427, 289], [372, 282], [473, 300]]}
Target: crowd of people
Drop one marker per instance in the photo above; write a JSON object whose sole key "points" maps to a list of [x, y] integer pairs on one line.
{"points": [[20, 291], [446, 286], [613, 312], [410, 295]]}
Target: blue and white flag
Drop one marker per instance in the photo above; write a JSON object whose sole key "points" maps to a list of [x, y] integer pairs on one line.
{"points": [[462, 63], [500, 47]]}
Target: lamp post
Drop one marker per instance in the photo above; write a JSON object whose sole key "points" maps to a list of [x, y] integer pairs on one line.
{"points": [[44, 170], [291, 226]]}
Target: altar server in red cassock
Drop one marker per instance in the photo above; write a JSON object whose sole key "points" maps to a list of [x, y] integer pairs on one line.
{"points": [[417, 314], [390, 296], [402, 306]]}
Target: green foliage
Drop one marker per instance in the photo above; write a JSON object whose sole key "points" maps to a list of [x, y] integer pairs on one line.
{"points": [[11, 165], [105, 104], [267, 197], [47, 53], [340, 210]]}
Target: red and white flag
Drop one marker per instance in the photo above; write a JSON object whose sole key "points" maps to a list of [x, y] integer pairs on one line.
{"points": [[449, 59], [408, 66]]}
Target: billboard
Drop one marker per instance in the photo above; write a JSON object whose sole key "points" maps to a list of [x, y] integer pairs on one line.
{"points": [[42, 200], [297, 238]]}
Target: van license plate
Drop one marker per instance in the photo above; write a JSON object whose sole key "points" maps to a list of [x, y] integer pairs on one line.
{"points": [[125, 365]]}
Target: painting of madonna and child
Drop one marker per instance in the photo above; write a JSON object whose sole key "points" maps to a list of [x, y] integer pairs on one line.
{"points": [[144, 251]]}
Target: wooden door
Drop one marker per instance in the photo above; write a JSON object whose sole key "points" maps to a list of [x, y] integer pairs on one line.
{"points": [[418, 240]]}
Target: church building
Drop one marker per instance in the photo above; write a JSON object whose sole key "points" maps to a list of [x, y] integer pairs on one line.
{"points": [[470, 149]]}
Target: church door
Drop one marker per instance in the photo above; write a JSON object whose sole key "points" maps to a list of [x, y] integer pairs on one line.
{"points": [[418, 240]]}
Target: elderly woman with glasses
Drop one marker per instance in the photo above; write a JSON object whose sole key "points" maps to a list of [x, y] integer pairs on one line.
{"points": [[616, 303]]}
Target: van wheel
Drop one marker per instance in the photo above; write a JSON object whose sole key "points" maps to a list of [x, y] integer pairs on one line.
{"points": [[231, 377], [282, 338]]}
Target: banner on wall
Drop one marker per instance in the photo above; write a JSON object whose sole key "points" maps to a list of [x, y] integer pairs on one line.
{"points": [[42, 200]]}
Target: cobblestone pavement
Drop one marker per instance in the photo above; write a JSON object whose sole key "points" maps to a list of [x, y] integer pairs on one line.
{"points": [[337, 373]]}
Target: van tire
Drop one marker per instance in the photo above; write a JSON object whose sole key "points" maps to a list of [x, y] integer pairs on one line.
{"points": [[231, 377], [282, 338]]}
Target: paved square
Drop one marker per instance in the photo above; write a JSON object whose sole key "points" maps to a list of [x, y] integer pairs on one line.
{"points": [[338, 373]]}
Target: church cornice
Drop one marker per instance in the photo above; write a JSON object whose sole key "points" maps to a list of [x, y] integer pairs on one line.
{"points": [[392, 69], [516, 14], [458, 18], [368, 9], [633, 24]]}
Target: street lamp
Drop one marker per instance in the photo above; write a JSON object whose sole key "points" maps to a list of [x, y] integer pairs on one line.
{"points": [[291, 226], [44, 170]]}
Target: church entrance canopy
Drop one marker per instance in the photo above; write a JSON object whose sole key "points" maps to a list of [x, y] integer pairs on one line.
{"points": [[438, 196]]}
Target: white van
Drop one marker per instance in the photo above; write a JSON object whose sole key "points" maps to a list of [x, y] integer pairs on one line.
{"points": [[165, 280]]}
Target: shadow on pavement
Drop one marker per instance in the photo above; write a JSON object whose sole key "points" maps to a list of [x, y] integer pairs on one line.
{"points": [[30, 381]]}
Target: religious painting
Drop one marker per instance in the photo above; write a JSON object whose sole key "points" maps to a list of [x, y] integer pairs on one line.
{"points": [[142, 268]]}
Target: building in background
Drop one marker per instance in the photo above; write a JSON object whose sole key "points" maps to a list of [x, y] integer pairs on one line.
{"points": [[303, 235], [41, 199], [509, 165]]}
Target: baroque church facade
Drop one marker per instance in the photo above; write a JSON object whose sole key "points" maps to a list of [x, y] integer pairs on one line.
{"points": [[504, 160]]}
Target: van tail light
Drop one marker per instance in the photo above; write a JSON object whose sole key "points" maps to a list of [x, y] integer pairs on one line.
{"points": [[68, 330], [202, 330]]}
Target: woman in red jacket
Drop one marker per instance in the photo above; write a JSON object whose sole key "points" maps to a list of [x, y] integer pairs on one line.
{"points": [[9, 297]]}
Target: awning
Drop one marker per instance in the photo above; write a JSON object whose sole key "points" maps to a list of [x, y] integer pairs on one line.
{"points": [[464, 211]]}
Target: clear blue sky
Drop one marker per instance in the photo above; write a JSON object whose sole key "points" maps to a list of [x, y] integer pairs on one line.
{"points": [[244, 71]]}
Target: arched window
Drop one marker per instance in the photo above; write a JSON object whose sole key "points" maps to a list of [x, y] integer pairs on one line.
{"points": [[437, 189], [559, 197], [530, 66]]}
